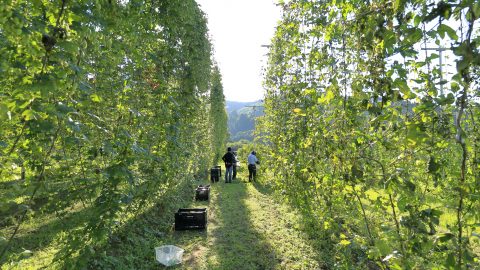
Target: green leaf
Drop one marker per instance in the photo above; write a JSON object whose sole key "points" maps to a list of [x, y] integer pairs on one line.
{"points": [[29, 115], [63, 108], [356, 172], [444, 237], [410, 185], [415, 135], [389, 40], [344, 242], [417, 20], [325, 99], [476, 9], [461, 50], [3, 111], [402, 86], [45, 85], [396, 4], [95, 98], [450, 261], [462, 64], [443, 28], [309, 91], [69, 47], [383, 247], [414, 35], [402, 203], [446, 100]]}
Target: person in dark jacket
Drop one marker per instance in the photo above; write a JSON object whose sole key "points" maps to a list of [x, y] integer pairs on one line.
{"points": [[229, 160]]}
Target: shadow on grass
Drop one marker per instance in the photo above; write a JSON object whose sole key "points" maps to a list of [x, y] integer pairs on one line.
{"points": [[264, 188], [129, 247], [324, 240], [41, 237], [312, 233], [236, 244], [230, 241], [133, 246]]}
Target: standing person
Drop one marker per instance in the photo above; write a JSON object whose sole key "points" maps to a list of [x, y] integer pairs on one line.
{"points": [[235, 164], [229, 159], [252, 169]]}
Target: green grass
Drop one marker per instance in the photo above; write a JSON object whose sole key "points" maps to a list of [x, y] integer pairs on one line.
{"points": [[38, 238], [247, 229], [41, 236]]}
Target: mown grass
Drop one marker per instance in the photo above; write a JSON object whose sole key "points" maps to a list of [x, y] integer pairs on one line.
{"points": [[41, 236], [39, 239], [247, 229]]}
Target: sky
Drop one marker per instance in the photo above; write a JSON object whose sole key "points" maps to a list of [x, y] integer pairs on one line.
{"points": [[238, 29]]}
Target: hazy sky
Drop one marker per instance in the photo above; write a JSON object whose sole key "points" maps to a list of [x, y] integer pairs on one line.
{"points": [[238, 29]]}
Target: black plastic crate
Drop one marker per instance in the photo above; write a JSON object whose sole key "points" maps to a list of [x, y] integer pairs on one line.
{"points": [[191, 219], [219, 168], [202, 193], [215, 174]]}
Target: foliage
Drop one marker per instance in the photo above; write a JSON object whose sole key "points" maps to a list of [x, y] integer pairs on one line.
{"points": [[104, 105], [218, 116], [383, 165]]}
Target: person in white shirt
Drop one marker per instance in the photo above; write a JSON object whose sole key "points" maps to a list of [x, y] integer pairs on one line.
{"points": [[235, 165], [252, 169]]}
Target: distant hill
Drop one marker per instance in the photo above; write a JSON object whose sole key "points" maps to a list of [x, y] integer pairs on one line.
{"points": [[236, 105], [241, 119]]}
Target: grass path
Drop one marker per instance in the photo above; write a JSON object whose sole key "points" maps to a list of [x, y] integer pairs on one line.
{"points": [[247, 229]]}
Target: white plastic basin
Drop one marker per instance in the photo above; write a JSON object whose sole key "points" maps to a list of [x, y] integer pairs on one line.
{"points": [[169, 255]]}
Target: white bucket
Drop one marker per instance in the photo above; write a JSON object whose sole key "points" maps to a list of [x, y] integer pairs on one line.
{"points": [[169, 255]]}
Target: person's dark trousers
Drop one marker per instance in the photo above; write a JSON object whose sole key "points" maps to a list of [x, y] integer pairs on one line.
{"points": [[234, 171], [228, 174], [252, 172]]}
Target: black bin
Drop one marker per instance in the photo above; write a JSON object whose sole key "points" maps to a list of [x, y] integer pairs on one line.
{"points": [[214, 174], [202, 193], [219, 168], [191, 219]]}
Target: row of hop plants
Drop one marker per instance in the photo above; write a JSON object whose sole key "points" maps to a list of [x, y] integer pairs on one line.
{"points": [[104, 107], [382, 165]]}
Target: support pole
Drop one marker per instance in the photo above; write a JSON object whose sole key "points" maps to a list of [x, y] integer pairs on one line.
{"points": [[440, 51]]}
